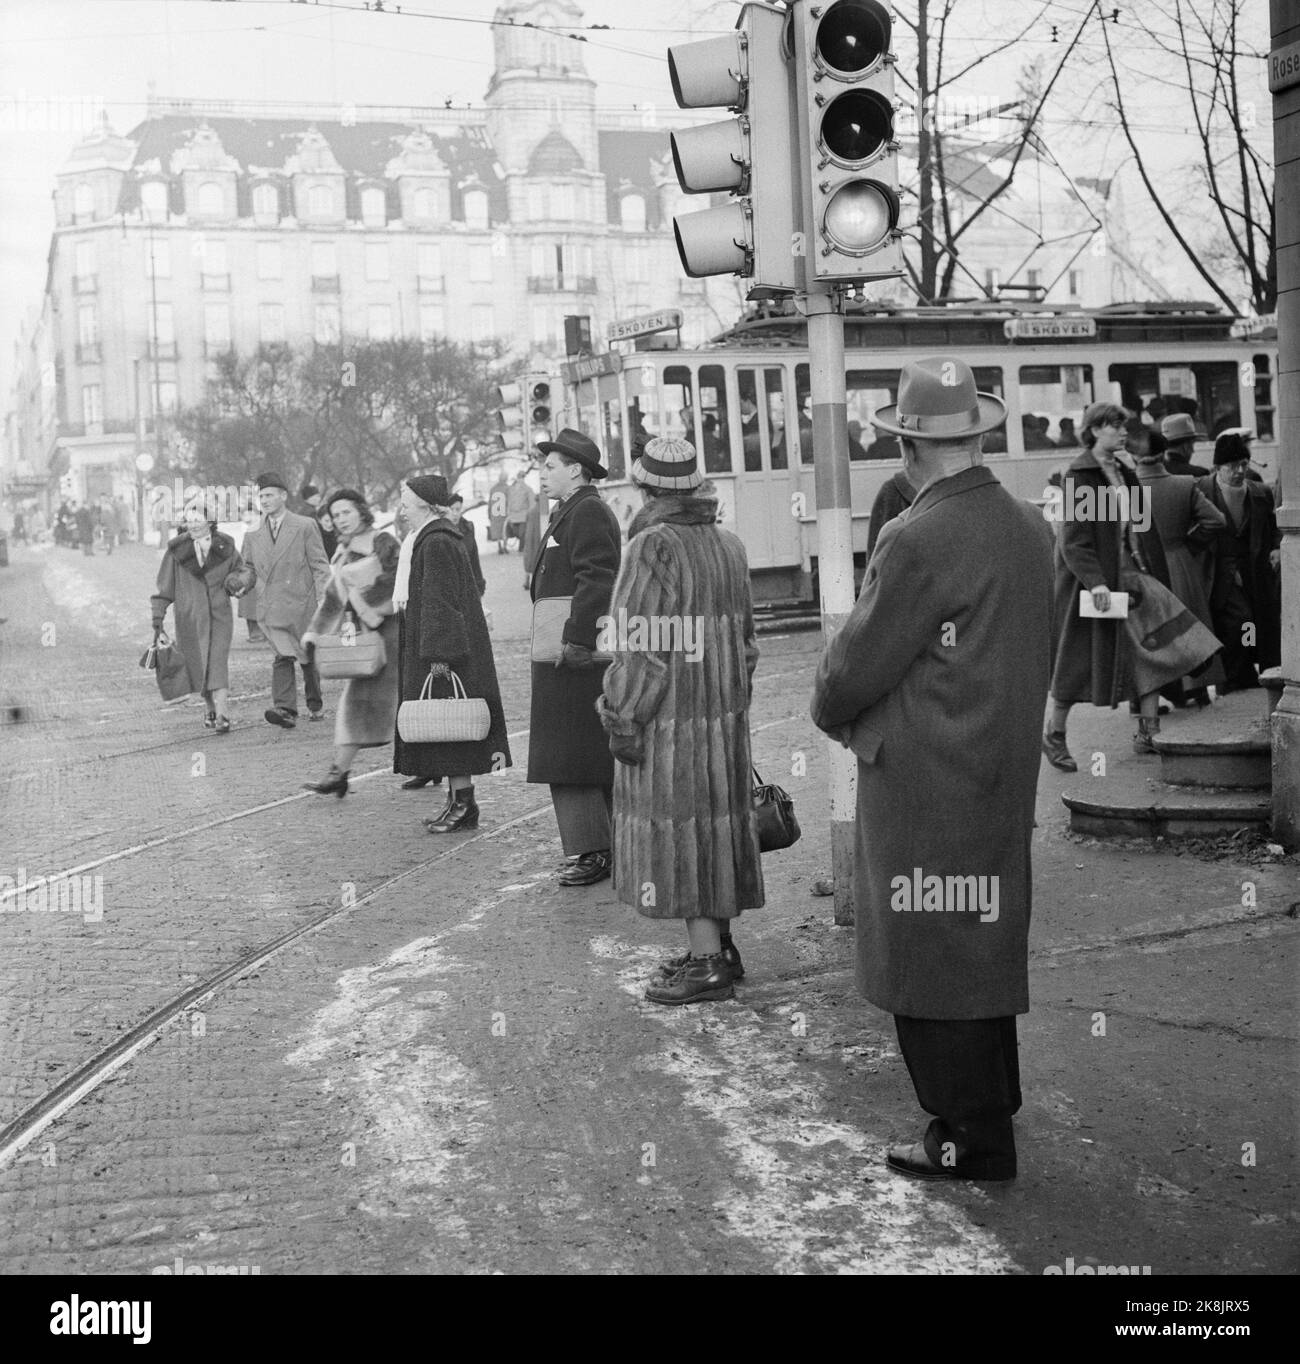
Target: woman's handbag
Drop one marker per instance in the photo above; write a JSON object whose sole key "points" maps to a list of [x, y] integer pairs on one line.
{"points": [[1168, 640], [351, 653], [458, 719], [169, 668], [778, 827]]}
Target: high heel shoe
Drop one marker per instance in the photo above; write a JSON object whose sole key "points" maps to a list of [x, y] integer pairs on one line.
{"points": [[222, 724], [335, 784], [461, 813]]}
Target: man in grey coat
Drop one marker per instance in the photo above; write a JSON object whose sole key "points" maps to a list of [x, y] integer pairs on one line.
{"points": [[291, 574], [937, 682]]}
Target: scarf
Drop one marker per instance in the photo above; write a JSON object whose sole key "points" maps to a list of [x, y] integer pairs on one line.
{"points": [[402, 584]]}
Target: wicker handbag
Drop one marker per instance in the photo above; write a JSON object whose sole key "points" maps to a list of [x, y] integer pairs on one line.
{"points": [[458, 719], [351, 653]]}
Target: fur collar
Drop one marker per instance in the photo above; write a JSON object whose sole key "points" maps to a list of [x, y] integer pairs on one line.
{"points": [[221, 547], [698, 508]]}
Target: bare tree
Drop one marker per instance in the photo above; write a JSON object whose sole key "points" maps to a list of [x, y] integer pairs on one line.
{"points": [[1211, 58]]}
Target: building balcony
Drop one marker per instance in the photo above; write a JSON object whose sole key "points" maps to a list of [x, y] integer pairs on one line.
{"points": [[325, 284], [432, 284], [561, 284], [162, 350], [216, 284], [88, 353], [85, 284]]}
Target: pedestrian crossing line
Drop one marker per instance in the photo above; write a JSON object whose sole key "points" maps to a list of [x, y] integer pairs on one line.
{"points": [[33, 1120], [799, 1192]]}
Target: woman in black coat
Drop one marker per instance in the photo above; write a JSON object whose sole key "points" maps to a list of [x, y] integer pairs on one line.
{"points": [[578, 559], [443, 631]]}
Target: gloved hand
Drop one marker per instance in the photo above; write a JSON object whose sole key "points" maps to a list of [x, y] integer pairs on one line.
{"points": [[627, 748], [439, 670], [576, 656]]}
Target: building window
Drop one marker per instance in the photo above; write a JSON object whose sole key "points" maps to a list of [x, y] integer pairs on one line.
{"points": [[476, 208], [324, 262], [88, 325], [214, 264], [632, 212], [320, 201], [327, 327], [92, 404], [636, 256], [166, 395], [482, 322], [428, 265], [433, 323], [424, 203], [85, 259], [211, 201], [1076, 283], [153, 200], [216, 326], [536, 202], [161, 329], [158, 258], [270, 322], [562, 202], [374, 207], [376, 261], [379, 322], [266, 203], [268, 260], [543, 325], [83, 201], [480, 264]]}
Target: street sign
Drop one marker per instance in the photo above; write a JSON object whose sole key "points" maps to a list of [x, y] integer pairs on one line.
{"points": [[667, 319], [1050, 328], [1284, 68], [592, 366]]}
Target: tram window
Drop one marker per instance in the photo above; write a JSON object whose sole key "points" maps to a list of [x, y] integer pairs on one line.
{"points": [[1053, 399], [750, 441], [803, 399], [713, 420], [1263, 399], [615, 449], [676, 404], [867, 391], [774, 396], [1206, 390], [988, 379]]}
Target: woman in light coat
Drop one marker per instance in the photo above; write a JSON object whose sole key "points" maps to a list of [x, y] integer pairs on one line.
{"points": [[675, 704], [360, 594], [199, 573]]}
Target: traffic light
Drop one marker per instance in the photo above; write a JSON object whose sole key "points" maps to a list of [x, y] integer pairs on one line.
{"points": [[845, 80], [752, 156], [510, 416], [539, 395]]}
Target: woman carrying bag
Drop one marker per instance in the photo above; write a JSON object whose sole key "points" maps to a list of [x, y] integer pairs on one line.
{"points": [[199, 573], [444, 641], [354, 635]]}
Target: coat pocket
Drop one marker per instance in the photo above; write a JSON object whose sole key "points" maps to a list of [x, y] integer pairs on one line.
{"points": [[865, 742]]}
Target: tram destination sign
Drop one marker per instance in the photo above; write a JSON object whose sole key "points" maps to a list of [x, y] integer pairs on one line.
{"points": [[591, 367], [665, 320], [1050, 328]]}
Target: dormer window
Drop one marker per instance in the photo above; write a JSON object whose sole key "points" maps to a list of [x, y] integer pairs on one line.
{"points": [[632, 212], [320, 201], [153, 200], [266, 203], [374, 207], [211, 201], [83, 201], [424, 203], [476, 208]]}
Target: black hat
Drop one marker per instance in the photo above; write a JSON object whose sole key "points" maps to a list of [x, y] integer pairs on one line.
{"points": [[430, 488], [308, 490], [346, 495], [1230, 448], [271, 481], [576, 446]]}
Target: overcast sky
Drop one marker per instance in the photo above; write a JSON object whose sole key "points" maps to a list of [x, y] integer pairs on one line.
{"points": [[63, 61]]}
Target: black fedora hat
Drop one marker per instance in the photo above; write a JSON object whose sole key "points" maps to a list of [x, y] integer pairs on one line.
{"points": [[576, 446]]}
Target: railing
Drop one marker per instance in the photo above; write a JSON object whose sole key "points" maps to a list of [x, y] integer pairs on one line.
{"points": [[561, 284], [85, 284], [324, 284]]}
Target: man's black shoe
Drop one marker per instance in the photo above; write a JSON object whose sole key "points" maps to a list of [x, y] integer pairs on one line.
{"points": [[914, 1161], [588, 869], [284, 718]]}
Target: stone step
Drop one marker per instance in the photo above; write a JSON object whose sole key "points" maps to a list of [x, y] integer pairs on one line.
{"points": [[1227, 744]]}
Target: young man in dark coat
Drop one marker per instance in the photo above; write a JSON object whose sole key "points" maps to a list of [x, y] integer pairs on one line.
{"points": [[1180, 431], [936, 682], [578, 558]]}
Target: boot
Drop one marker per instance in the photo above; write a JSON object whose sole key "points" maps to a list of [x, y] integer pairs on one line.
{"points": [[335, 784], [461, 813], [1057, 753], [702, 978], [1147, 730]]}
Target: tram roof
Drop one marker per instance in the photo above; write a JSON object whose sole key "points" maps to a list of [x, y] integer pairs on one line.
{"points": [[776, 325]]}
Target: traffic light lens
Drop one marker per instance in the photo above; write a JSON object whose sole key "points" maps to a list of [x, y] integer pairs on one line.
{"points": [[859, 216], [856, 125], [853, 36]]}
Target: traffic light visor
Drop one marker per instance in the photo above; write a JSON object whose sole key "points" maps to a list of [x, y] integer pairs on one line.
{"points": [[708, 74], [860, 216], [714, 242], [709, 158], [509, 394], [857, 125], [852, 37]]}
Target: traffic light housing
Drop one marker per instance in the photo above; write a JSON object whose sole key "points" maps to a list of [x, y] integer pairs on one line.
{"points": [[845, 84], [751, 156], [510, 416], [539, 398]]}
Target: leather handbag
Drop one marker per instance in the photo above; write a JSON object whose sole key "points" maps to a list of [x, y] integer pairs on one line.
{"points": [[351, 653], [550, 614], [778, 826], [456, 719], [169, 669]]}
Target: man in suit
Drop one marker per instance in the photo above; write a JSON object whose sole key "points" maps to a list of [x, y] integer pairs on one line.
{"points": [[1180, 431], [578, 559], [291, 574], [937, 682]]}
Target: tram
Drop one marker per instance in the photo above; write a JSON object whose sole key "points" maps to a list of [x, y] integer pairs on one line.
{"points": [[744, 402]]}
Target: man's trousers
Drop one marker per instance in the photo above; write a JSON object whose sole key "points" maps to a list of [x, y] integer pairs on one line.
{"points": [[284, 684], [584, 816]]}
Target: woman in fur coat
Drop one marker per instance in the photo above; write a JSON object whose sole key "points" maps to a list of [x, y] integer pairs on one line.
{"points": [[360, 593], [675, 704]]}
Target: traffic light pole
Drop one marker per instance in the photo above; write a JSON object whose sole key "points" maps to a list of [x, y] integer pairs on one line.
{"points": [[834, 551]]}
